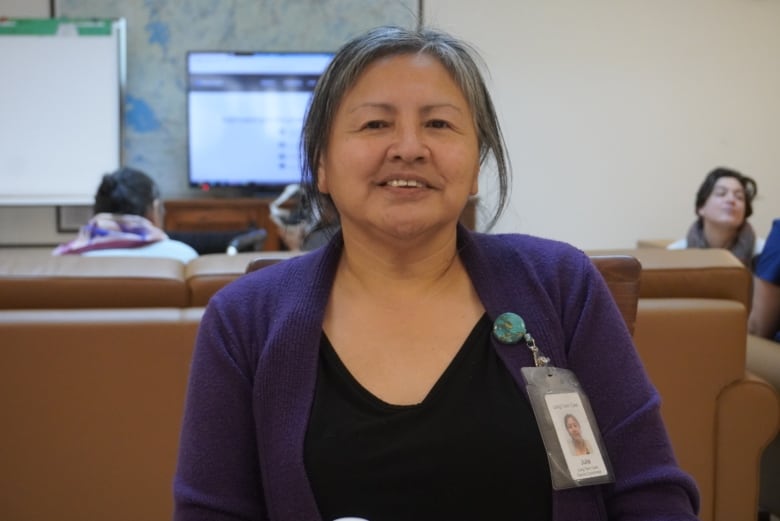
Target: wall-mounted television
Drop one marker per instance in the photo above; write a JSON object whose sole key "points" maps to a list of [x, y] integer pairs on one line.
{"points": [[244, 117]]}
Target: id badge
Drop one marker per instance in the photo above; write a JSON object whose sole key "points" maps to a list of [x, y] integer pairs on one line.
{"points": [[568, 427]]}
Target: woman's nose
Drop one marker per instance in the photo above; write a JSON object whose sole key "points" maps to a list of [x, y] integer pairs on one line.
{"points": [[409, 144]]}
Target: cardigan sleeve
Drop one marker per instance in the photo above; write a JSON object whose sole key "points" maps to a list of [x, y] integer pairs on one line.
{"points": [[218, 476], [649, 484]]}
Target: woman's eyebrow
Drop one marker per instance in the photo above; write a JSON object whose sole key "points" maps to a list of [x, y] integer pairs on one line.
{"points": [[425, 109]]}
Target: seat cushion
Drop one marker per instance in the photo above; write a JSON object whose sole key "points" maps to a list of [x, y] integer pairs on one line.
{"points": [[29, 280]]}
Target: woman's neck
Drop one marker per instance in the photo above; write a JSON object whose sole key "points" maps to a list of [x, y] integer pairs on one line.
{"points": [[400, 270], [720, 236]]}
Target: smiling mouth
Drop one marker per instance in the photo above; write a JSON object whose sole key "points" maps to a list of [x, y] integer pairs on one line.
{"points": [[405, 183]]}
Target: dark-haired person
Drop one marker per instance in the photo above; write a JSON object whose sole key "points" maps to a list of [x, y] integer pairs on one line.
{"points": [[724, 202], [127, 221], [380, 376]]}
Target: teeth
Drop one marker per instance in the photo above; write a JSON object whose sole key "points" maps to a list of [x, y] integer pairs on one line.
{"points": [[404, 182]]}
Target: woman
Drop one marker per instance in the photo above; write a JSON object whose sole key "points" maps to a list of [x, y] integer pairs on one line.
{"points": [[363, 378], [723, 204], [127, 221], [579, 447]]}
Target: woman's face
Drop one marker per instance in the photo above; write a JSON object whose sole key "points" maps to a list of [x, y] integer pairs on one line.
{"points": [[573, 427], [725, 207], [403, 154]]}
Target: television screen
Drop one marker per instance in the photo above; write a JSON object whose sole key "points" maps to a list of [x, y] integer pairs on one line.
{"points": [[244, 116]]}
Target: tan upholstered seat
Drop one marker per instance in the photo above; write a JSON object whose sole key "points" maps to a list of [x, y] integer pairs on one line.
{"points": [[33, 281], [622, 274]]}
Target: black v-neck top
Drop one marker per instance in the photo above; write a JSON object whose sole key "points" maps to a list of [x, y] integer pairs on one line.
{"points": [[471, 450]]}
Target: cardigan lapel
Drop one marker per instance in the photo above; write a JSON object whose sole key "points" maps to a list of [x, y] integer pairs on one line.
{"points": [[285, 385]]}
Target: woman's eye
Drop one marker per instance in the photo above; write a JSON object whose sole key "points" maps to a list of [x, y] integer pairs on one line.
{"points": [[438, 123], [375, 124]]}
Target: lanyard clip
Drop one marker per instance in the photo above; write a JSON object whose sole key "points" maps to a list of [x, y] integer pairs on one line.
{"points": [[539, 359]]}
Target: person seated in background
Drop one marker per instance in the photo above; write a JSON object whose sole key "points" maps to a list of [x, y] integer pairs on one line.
{"points": [[298, 223], [764, 320], [127, 221], [723, 205]]}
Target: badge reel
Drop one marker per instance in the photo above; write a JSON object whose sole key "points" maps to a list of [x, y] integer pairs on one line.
{"points": [[571, 437]]}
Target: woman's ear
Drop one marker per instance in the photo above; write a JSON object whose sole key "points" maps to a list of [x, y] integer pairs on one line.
{"points": [[322, 178], [156, 213], [475, 183]]}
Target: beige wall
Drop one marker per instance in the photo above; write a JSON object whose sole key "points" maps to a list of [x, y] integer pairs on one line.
{"points": [[24, 8], [614, 111]]}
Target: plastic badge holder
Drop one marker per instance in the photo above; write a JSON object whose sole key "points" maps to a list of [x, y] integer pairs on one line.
{"points": [[569, 431]]}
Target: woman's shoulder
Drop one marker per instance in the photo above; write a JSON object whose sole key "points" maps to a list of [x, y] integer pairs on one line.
{"points": [[521, 240], [176, 249], [530, 247], [166, 249], [759, 245], [510, 254], [270, 284], [169, 248]]}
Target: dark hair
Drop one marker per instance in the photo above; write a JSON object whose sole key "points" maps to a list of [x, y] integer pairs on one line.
{"points": [[708, 185], [126, 191], [459, 58]]}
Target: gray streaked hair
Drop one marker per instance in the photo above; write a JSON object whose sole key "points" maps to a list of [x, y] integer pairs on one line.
{"points": [[458, 57]]}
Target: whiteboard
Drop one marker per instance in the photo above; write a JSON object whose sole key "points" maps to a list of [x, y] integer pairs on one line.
{"points": [[60, 108]]}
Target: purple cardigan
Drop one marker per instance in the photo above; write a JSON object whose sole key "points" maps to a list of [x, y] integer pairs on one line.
{"points": [[253, 377]]}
